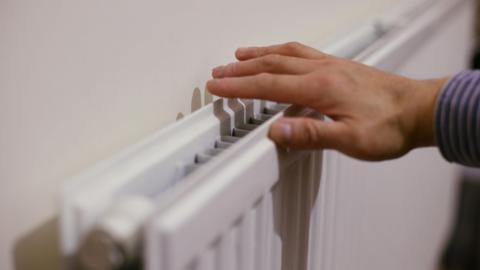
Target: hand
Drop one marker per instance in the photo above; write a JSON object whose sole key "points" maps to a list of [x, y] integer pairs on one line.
{"points": [[376, 115]]}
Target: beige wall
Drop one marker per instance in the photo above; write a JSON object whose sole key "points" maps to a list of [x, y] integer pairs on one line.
{"points": [[79, 80]]}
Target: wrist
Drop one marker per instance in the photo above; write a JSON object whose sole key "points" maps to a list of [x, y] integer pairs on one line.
{"points": [[422, 104]]}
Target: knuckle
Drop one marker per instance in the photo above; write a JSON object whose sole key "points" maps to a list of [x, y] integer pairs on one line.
{"points": [[329, 62], [308, 134], [293, 46], [271, 60], [321, 80], [262, 51], [264, 81], [233, 68]]}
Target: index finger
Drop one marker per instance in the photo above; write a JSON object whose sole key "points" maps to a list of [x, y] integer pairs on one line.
{"points": [[274, 87], [294, 49]]}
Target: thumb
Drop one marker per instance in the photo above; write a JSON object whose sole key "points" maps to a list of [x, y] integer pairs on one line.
{"points": [[306, 133]]}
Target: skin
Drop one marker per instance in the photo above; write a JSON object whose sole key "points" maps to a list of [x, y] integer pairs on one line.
{"points": [[376, 115]]}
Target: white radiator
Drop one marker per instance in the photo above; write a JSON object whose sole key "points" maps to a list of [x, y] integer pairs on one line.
{"points": [[213, 192]]}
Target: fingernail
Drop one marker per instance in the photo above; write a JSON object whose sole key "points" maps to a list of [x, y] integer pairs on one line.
{"points": [[242, 50], [282, 131], [287, 130]]}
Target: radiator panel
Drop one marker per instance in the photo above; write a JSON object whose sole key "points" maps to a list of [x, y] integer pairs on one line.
{"points": [[245, 205], [272, 232]]}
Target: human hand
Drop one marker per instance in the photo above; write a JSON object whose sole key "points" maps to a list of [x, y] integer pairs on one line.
{"points": [[376, 115]]}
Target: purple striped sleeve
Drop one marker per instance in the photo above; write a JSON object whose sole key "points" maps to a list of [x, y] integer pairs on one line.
{"points": [[457, 119]]}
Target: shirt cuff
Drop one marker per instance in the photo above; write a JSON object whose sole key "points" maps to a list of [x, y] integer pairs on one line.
{"points": [[457, 119]]}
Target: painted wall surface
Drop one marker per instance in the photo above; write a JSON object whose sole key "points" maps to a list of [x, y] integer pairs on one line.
{"points": [[80, 80]]}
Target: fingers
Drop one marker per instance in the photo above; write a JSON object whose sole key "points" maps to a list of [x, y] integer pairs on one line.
{"points": [[272, 63], [294, 49], [308, 133], [281, 88]]}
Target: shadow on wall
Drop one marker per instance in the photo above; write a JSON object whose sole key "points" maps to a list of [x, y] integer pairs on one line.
{"points": [[39, 249], [196, 102]]}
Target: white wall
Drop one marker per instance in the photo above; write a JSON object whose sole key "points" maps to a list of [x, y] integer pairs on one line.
{"points": [[79, 80]]}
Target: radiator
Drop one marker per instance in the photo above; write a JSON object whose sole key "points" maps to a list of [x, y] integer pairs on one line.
{"points": [[213, 192]]}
